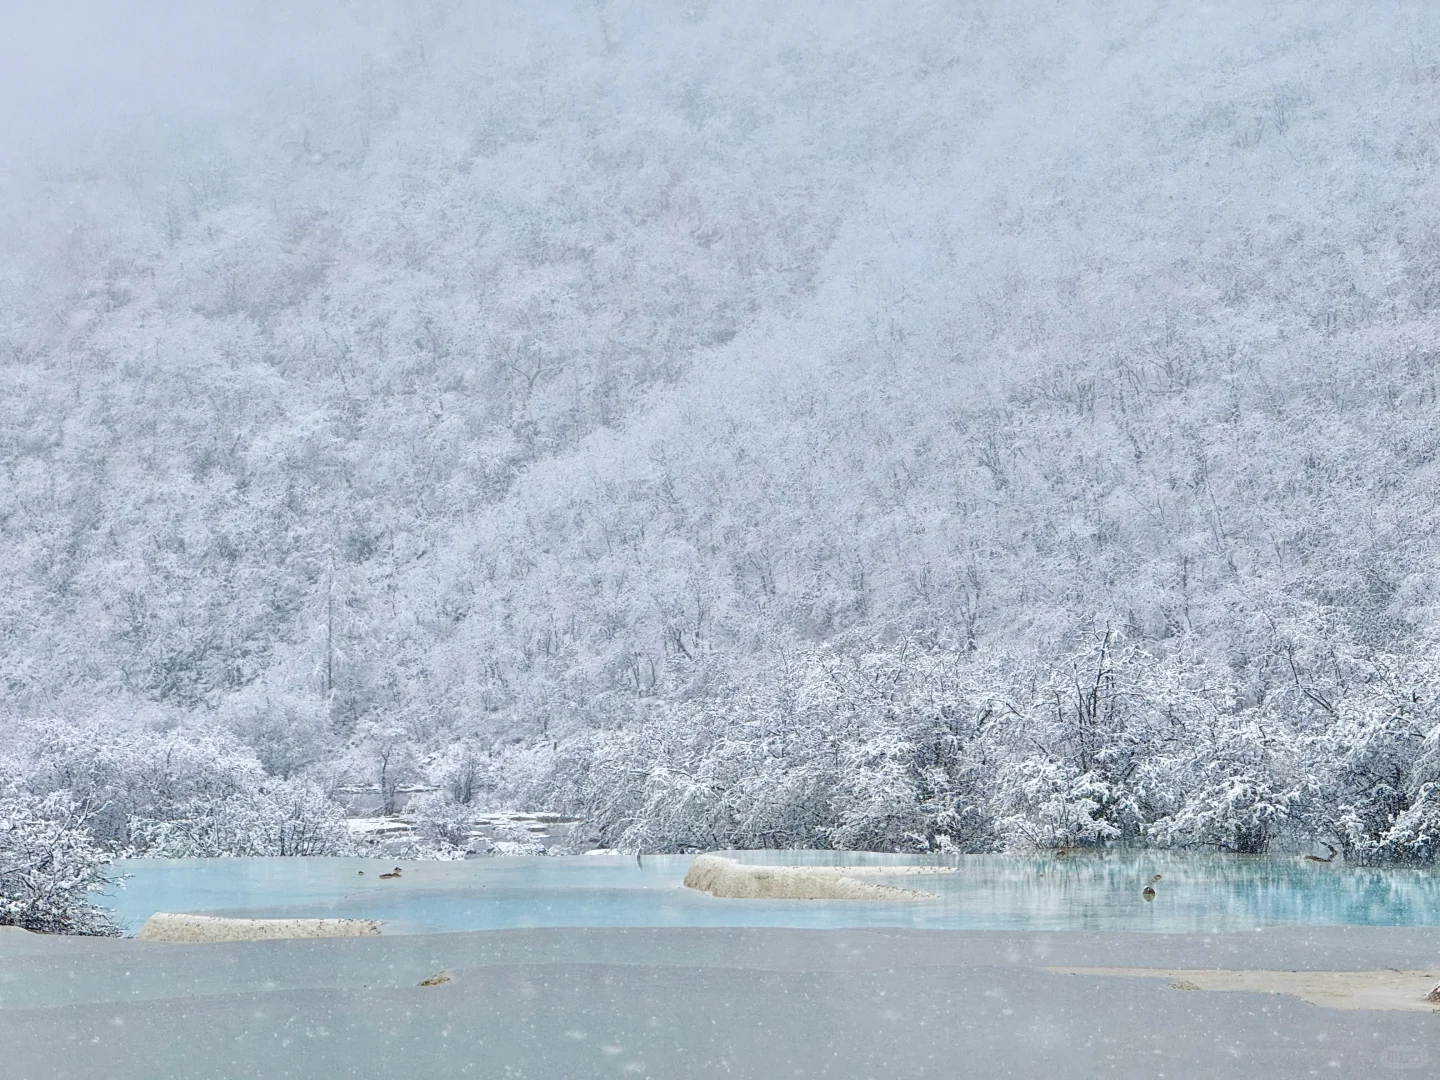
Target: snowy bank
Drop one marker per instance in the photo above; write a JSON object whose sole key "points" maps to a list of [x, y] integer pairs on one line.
{"points": [[719, 876], [167, 926]]}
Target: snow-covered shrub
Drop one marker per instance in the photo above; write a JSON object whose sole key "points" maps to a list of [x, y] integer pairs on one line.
{"points": [[50, 866], [1395, 817], [1241, 812], [1413, 835], [1225, 780], [442, 821], [1073, 755], [1380, 758], [121, 774], [1045, 804], [782, 802], [277, 817], [512, 841], [658, 786], [288, 733], [878, 803], [957, 817], [385, 755], [465, 771]]}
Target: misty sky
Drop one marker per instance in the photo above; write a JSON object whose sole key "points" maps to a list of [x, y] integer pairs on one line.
{"points": [[72, 71]]}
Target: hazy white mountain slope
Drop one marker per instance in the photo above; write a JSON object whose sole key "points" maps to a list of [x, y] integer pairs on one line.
{"points": [[528, 371]]}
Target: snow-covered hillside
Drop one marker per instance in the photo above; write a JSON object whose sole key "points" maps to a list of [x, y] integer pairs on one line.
{"points": [[895, 424]]}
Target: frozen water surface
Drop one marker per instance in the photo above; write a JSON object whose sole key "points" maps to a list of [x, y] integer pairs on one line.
{"points": [[1087, 892]]}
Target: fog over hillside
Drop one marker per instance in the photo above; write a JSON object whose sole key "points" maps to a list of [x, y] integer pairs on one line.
{"points": [[897, 425]]}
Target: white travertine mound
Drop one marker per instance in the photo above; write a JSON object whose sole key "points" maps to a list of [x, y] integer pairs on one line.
{"points": [[719, 876], [166, 926]]}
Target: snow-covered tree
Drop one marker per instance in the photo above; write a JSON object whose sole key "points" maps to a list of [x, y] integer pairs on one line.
{"points": [[50, 867]]}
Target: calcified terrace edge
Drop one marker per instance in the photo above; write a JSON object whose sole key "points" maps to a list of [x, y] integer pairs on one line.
{"points": [[726, 878], [169, 926], [1386, 990]]}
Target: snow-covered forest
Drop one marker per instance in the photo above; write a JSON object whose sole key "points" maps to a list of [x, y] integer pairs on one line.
{"points": [[906, 425]]}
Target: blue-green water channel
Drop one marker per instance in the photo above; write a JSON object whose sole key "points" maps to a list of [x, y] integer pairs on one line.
{"points": [[1089, 892]]}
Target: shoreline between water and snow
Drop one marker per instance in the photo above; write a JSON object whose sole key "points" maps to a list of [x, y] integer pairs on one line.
{"points": [[1194, 894]]}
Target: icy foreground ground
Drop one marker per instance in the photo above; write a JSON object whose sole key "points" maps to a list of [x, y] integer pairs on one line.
{"points": [[559, 1003]]}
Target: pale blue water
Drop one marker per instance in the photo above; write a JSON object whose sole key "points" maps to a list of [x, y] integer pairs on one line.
{"points": [[1091, 892]]}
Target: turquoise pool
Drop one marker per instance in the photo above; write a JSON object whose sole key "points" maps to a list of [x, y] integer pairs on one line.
{"points": [[1090, 892]]}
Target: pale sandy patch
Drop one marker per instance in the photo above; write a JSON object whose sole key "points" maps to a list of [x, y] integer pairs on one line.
{"points": [[1404, 991]]}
